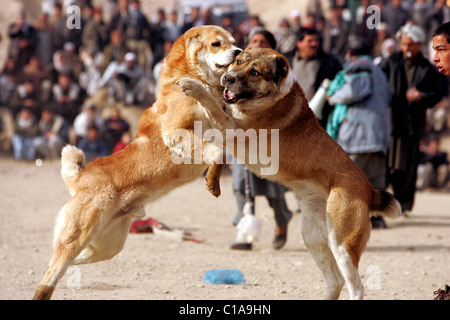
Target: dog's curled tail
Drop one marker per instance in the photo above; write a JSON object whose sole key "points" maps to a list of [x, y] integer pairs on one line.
{"points": [[385, 204], [72, 163]]}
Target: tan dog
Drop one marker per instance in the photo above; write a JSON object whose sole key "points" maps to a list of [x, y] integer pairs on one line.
{"points": [[110, 191], [336, 197]]}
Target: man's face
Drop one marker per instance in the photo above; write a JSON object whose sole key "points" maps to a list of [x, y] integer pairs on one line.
{"points": [[29, 87], [130, 64], [64, 81], [409, 48], [442, 54], [123, 5], [116, 39], [25, 114], [92, 134], [258, 41], [309, 46], [47, 116]]}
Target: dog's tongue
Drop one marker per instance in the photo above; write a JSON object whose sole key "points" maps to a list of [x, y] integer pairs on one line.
{"points": [[229, 96]]}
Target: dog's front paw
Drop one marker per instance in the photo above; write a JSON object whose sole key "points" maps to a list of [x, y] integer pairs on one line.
{"points": [[192, 88], [213, 186], [213, 177]]}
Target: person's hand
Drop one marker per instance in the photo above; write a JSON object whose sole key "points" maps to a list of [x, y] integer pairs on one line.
{"points": [[49, 135], [29, 103], [115, 126], [414, 95], [23, 44], [63, 99]]}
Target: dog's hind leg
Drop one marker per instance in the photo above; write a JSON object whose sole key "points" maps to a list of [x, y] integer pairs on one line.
{"points": [[75, 229], [314, 232], [349, 231], [108, 243], [110, 240], [348, 270]]}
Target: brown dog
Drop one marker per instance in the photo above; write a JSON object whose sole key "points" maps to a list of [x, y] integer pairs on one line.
{"points": [[106, 194], [336, 197]]}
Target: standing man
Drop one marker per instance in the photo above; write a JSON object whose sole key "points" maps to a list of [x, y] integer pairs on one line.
{"points": [[243, 178], [363, 132], [441, 46], [416, 86], [335, 34], [23, 40], [311, 60]]}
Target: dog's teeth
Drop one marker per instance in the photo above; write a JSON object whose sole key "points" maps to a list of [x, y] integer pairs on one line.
{"points": [[229, 96]]}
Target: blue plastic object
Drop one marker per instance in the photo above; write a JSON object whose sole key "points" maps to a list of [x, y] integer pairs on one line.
{"points": [[226, 276]]}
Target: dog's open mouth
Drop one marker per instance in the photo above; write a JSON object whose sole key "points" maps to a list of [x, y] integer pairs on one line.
{"points": [[231, 97]]}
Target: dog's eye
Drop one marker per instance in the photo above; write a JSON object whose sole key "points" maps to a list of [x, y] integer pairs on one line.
{"points": [[238, 62], [255, 73], [216, 44]]}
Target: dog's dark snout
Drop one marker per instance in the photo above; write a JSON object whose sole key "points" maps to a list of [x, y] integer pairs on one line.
{"points": [[237, 51], [228, 79]]}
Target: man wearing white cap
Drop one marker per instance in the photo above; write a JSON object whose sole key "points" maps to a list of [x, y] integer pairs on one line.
{"points": [[416, 86], [67, 61], [129, 83], [296, 21]]}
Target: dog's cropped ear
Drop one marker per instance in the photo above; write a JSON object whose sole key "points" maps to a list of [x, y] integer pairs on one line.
{"points": [[282, 68], [194, 44]]}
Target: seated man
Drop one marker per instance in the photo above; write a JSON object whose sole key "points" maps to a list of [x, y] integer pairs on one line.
{"points": [[87, 118], [115, 127], [433, 169], [66, 98], [93, 144], [25, 95], [52, 128], [129, 82], [26, 129], [67, 61], [113, 55]]}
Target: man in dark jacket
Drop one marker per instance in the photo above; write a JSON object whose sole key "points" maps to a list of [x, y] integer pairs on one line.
{"points": [[335, 34], [394, 15], [23, 41], [416, 86], [318, 65]]}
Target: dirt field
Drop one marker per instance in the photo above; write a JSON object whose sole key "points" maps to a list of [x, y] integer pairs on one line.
{"points": [[409, 260]]}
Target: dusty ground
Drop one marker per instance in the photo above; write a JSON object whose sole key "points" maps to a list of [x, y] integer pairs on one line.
{"points": [[409, 260]]}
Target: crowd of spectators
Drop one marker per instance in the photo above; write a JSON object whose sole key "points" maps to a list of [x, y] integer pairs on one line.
{"points": [[51, 69]]}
